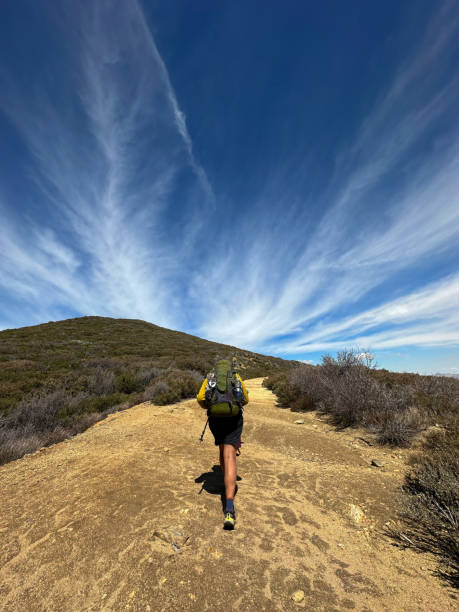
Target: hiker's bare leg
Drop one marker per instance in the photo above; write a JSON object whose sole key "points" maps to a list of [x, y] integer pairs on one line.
{"points": [[229, 470], [222, 461]]}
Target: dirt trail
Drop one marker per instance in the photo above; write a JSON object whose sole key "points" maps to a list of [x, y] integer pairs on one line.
{"points": [[114, 519]]}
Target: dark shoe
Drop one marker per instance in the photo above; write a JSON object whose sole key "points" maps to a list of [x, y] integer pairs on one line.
{"points": [[230, 521]]}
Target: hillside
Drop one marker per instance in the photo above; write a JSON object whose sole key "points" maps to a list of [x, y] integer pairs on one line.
{"points": [[47, 355], [57, 379], [127, 516]]}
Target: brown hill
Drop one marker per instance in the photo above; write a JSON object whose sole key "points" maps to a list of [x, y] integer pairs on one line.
{"points": [[67, 352], [57, 379]]}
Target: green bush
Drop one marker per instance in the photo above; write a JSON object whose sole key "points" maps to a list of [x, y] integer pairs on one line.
{"points": [[202, 366], [173, 386], [126, 382], [100, 403]]}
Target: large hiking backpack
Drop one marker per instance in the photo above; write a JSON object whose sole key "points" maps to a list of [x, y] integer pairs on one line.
{"points": [[223, 393]]}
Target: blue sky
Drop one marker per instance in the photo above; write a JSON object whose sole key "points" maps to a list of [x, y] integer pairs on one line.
{"points": [[277, 176]]}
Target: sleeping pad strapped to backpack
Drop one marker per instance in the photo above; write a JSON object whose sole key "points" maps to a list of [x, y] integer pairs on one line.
{"points": [[221, 397]]}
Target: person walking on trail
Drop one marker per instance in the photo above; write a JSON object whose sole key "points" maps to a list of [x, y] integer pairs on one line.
{"points": [[223, 394]]}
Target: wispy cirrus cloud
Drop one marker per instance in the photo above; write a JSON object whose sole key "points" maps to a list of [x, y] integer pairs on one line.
{"points": [[108, 148], [388, 209], [427, 317]]}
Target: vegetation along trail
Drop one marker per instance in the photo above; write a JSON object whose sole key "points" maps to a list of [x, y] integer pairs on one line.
{"points": [[127, 516]]}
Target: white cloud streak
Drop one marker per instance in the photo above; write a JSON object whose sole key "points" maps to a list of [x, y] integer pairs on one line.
{"points": [[353, 251], [106, 165], [428, 317]]}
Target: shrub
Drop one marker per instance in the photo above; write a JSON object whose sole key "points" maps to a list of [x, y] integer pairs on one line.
{"points": [[5, 405], [430, 500], [398, 428], [271, 381], [90, 404], [175, 385], [188, 383], [346, 388], [196, 376], [157, 389], [103, 363], [127, 382], [102, 382], [438, 396], [39, 412], [392, 416], [15, 443], [341, 387], [58, 434], [146, 375], [285, 386], [85, 421], [309, 383], [302, 404], [201, 366], [286, 394]]}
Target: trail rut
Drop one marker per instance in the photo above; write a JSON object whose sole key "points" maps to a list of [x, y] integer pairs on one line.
{"points": [[127, 516]]}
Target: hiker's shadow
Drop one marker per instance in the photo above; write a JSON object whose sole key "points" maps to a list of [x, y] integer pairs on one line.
{"points": [[213, 483]]}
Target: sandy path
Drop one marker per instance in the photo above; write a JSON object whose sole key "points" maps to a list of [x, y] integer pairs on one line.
{"points": [[78, 520]]}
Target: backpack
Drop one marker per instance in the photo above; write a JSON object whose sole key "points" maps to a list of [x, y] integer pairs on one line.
{"points": [[224, 394]]}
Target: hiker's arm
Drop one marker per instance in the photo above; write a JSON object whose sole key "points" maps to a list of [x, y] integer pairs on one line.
{"points": [[201, 396], [244, 390]]}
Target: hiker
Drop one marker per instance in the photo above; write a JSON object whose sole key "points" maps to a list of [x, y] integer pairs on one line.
{"points": [[223, 394]]}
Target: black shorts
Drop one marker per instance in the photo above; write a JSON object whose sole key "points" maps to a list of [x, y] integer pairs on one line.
{"points": [[227, 430]]}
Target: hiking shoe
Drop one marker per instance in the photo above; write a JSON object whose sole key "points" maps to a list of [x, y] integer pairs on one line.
{"points": [[230, 520]]}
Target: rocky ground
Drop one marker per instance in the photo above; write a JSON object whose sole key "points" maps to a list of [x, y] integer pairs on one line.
{"points": [[128, 516]]}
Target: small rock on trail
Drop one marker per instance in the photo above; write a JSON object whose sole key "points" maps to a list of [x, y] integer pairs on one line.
{"points": [[356, 514], [298, 596]]}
